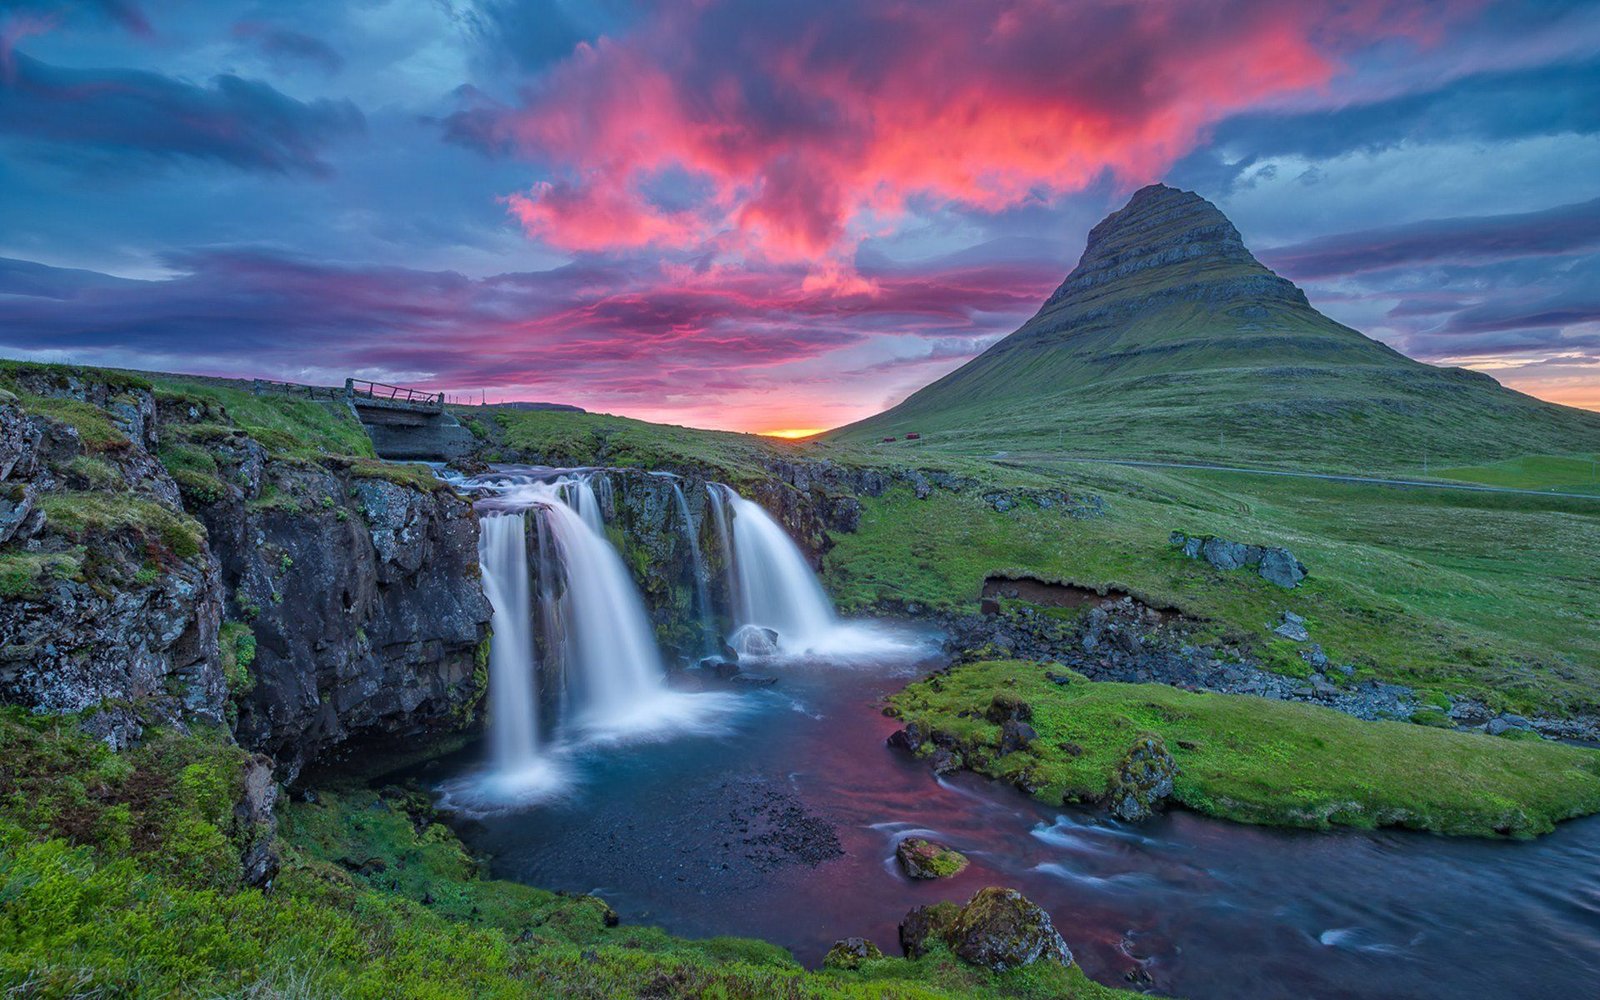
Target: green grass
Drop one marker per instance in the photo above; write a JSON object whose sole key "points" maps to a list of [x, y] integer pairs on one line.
{"points": [[1258, 761], [81, 515], [286, 425], [567, 438], [1450, 591], [28, 574], [1570, 473], [94, 425], [119, 877]]}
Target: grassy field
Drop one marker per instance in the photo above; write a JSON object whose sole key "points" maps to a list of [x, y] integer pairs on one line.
{"points": [[119, 876], [1450, 591], [1571, 473], [1259, 761]]}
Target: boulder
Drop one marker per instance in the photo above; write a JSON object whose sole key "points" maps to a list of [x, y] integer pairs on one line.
{"points": [[850, 952], [754, 640], [945, 761], [1279, 566], [1006, 706], [926, 859], [1015, 736], [998, 929], [1142, 780], [910, 738], [927, 926], [1292, 627]]}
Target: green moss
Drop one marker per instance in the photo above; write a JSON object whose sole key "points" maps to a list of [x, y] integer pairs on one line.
{"points": [[412, 474], [285, 424], [237, 645], [79, 515], [27, 574], [94, 425], [1260, 761], [97, 473]]}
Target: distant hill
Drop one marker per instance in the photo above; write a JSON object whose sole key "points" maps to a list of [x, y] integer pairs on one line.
{"points": [[1170, 341], [560, 407]]}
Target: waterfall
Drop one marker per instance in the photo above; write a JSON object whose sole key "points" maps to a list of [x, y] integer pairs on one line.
{"points": [[716, 499], [608, 650], [773, 586], [702, 600], [579, 494], [513, 712]]}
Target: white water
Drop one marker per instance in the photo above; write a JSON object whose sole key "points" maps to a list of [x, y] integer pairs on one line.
{"points": [[601, 670], [513, 709], [774, 588]]}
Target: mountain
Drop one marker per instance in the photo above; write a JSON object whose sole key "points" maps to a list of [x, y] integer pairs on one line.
{"points": [[1170, 341]]}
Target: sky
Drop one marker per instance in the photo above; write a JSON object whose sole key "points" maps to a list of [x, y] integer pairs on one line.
{"points": [[767, 215]]}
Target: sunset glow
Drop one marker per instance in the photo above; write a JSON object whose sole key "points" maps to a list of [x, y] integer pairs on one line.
{"points": [[752, 215]]}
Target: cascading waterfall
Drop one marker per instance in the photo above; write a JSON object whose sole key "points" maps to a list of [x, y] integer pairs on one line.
{"points": [[608, 650], [579, 494], [716, 498], [702, 599], [513, 711], [773, 586]]}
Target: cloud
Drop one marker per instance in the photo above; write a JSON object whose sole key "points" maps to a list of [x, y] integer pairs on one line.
{"points": [[284, 46], [647, 338], [116, 112], [813, 126], [1559, 230]]}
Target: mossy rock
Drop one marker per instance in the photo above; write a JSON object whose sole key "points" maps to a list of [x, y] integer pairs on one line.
{"points": [[1142, 780], [925, 859], [850, 953]]}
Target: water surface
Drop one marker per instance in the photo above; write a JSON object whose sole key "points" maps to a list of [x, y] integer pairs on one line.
{"points": [[726, 832]]}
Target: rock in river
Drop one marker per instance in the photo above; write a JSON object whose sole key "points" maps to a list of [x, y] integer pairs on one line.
{"points": [[927, 859]]}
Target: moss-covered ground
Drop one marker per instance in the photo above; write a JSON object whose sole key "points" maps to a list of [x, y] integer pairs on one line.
{"points": [[1258, 761], [119, 876]]}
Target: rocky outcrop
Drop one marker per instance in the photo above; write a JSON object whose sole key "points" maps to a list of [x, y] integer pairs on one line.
{"points": [[1273, 564], [998, 929], [1142, 781], [1126, 640], [112, 601], [363, 596], [135, 522]]}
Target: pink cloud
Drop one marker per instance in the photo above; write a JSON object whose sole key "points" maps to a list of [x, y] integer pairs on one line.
{"points": [[807, 127]]}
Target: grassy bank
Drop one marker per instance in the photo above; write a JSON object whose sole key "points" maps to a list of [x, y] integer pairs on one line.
{"points": [[1259, 761], [1449, 591], [119, 875]]}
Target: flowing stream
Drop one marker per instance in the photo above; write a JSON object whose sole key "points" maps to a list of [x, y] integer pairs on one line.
{"points": [[708, 808]]}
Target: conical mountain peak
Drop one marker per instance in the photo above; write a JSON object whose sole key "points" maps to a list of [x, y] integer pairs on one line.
{"points": [[1161, 239]]}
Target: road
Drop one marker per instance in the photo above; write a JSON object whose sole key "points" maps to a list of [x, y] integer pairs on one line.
{"points": [[1431, 484]]}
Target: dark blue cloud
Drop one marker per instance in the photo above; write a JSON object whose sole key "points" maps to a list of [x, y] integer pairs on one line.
{"points": [[120, 112], [285, 46], [123, 13], [1560, 230]]}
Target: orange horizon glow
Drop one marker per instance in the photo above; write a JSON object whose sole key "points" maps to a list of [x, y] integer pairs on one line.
{"points": [[793, 433]]}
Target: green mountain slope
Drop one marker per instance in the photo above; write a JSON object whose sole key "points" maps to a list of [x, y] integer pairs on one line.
{"points": [[1170, 341]]}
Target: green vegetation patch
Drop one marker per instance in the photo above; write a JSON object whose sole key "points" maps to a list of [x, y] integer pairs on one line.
{"points": [[79, 515], [119, 876], [1451, 592], [1258, 761], [237, 645], [95, 427], [411, 474], [28, 574], [286, 425]]}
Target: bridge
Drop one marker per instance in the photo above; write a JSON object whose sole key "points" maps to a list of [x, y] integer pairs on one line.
{"points": [[406, 423]]}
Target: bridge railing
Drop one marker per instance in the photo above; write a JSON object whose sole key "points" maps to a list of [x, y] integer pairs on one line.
{"points": [[260, 385], [393, 393]]}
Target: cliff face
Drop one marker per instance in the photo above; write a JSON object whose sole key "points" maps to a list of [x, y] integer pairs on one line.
{"points": [[112, 601], [162, 565]]}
